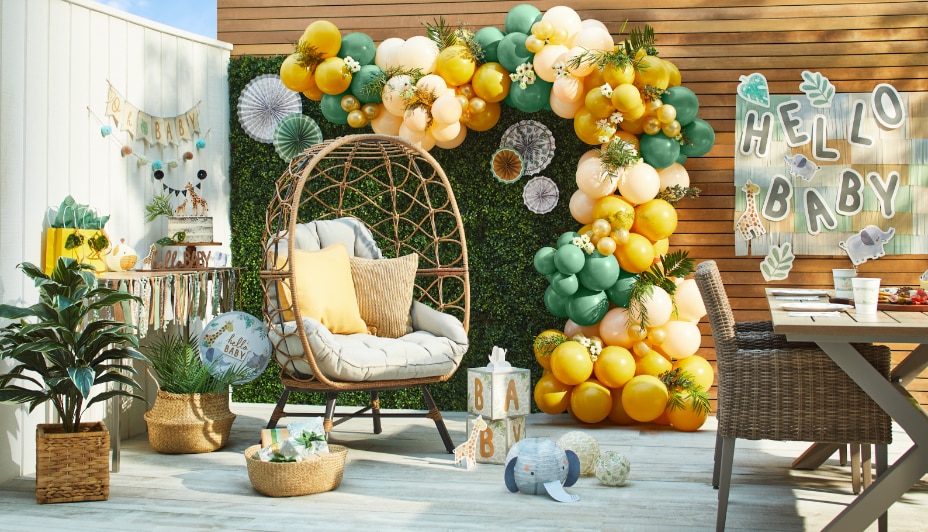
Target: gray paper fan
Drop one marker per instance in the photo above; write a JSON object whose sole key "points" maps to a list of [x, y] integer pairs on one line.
{"points": [[263, 103], [294, 134], [534, 141], [540, 195]]}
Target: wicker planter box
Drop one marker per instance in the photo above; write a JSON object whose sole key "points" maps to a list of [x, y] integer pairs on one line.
{"points": [[72, 467], [287, 479], [189, 423]]}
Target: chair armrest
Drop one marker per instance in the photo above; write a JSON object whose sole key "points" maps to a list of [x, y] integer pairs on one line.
{"points": [[425, 318]]}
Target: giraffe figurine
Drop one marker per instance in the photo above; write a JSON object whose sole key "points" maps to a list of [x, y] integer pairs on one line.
{"points": [[148, 263], [749, 223], [467, 451], [181, 209], [198, 204]]}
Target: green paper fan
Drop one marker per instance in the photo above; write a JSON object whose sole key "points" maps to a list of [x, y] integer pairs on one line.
{"points": [[294, 134]]}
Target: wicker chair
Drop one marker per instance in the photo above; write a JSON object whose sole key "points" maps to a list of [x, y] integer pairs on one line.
{"points": [[783, 391], [406, 206]]}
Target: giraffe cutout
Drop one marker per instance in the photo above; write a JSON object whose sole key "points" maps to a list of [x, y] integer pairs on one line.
{"points": [[148, 262], [467, 451], [749, 223], [210, 338], [181, 209], [198, 204]]}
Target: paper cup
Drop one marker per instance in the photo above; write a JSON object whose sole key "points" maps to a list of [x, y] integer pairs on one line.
{"points": [[843, 288], [866, 294]]}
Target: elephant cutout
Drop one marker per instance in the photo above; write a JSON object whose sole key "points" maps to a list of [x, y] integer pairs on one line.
{"points": [[801, 166], [867, 244], [538, 466]]}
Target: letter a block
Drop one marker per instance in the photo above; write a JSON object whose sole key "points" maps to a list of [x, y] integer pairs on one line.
{"points": [[498, 395], [493, 444]]}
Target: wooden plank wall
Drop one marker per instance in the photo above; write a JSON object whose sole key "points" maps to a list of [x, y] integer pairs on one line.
{"points": [[855, 43]]}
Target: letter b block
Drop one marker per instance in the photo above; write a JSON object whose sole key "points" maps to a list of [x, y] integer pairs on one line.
{"points": [[501, 434], [498, 395]]}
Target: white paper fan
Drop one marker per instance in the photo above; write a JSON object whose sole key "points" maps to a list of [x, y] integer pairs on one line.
{"points": [[264, 102], [533, 140], [540, 195]]}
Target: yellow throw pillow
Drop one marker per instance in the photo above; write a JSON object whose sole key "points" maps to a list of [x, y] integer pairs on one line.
{"points": [[324, 289], [384, 288]]}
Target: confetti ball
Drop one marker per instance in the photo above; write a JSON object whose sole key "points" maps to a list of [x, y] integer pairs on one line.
{"points": [[159, 174], [126, 150], [201, 144], [611, 468], [201, 174], [105, 130], [157, 165], [188, 155], [586, 447]]}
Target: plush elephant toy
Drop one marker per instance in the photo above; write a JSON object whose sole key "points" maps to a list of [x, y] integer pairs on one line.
{"points": [[538, 466], [867, 244]]}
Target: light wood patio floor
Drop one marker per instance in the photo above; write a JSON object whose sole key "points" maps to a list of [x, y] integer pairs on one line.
{"points": [[402, 479]]}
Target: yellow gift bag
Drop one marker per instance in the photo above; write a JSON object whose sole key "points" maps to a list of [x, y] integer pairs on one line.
{"points": [[76, 232]]}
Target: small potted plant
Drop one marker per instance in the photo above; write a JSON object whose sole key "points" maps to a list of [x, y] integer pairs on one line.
{"points": [[191, 413], [63, 355]]}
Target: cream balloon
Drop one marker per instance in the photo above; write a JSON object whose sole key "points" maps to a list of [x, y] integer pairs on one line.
{"points": [[453, 143], [568, 88], [421, 139], [581, 207], [387, 124], [592, 180], [571, 328], [446, 109], [593, 35], [393, 100], [675, 174], [562, 108], [682, 339], [416, 119], [419, 52], [544, 61], [690, 306], [657, 306], [614, 328], [589, 154], [387, 56], [583, 68], [432, 83], [445, 132], [640, 183], [564, 17]]}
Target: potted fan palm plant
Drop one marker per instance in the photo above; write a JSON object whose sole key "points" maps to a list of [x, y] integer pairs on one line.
{"points": [[64, 355], [191, 413]]}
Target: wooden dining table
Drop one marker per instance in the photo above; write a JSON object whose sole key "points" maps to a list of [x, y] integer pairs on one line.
{"points": [[836, 332]]}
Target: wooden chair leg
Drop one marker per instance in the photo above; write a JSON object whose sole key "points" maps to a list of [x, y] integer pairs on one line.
{"points": [[375, 411], [727, 456], [855, 467], [866, 466], [717, 462], [435, 416], [278, 412], [842, 455], [328, 422]]}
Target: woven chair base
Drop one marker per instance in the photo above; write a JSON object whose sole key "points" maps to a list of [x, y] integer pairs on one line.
{"points": [[72, 467]]}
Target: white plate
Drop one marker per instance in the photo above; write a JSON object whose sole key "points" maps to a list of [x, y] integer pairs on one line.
{"points": [[797, 292], [816, 307]]}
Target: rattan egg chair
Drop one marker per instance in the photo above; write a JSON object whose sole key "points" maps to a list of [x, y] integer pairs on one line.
{"points": [[384, 198]]}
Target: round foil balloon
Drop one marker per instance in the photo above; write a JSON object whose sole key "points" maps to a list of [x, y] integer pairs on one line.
{"points": [[235, 339]]}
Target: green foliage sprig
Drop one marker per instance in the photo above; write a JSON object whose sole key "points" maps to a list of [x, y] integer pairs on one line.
{"points": [[617, 155], [439, 32], [375, 86], [178, 368], [674, 194], [641, 39], [674, 264], [159, 206], [681, 386]]}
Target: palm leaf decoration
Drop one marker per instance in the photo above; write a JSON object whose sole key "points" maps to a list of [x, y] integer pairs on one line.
{"points": [[681, 386], [674, 264]]}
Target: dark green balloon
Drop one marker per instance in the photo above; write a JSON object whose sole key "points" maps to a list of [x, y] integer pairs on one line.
{"points": [[587, 307], [569, 259], [567, 238], [532, 98], [331, 106], [544, 260], [555, 303], [684, 101], [565, 284], [619, 292], [701, 138], [511, 51], [659, 150], [488, 38], [599, 271], [360, 79], [681, 158], [359, 46], [521, 18]]}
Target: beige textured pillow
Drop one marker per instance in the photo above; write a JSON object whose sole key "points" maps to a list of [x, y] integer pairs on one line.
{"points": [[384, 289]]}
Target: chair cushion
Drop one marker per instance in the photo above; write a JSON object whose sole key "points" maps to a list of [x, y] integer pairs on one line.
{"points": [[325, 290], [364, 357], [384, 290]]}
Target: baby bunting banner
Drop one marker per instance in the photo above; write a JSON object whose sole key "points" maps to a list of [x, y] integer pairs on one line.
{"points": [[830, 173], [140, 125]]}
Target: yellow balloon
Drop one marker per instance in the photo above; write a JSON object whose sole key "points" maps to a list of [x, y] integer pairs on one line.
{"points": [[534, 44], [666, 113], [593, 80], [631, 126], [324, 37], [598, 105], [618, 415], [661, 247], [491, 82], [559, 36], [294, 76], [601, 227], [590, 401], [606, 245], [615, 210], [614, 367], [673, 72], [313, 92], [655, 219], [618, 75], [551, 395], [686, 419], [653, 364], [629, 138], [699, 368], [543, 29], [332, 76], [485, 120], [636, 255], [571, 363], [626, 98], [585, 127], [356, 119], [644, 398], [455, 65], [651, 71], [544, 345]]}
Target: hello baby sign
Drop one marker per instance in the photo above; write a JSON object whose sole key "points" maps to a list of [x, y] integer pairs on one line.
{"points": [[830, 173]]}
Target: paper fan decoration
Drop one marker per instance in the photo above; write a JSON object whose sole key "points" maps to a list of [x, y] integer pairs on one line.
{"points": [[540, 195], [264, 102], [507, 165], [294, 134], [534, 141]]}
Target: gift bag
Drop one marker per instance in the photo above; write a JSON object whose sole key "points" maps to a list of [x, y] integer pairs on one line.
{"points": [[76, 232]]}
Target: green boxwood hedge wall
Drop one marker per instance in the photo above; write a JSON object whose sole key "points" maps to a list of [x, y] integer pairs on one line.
{"points": [[502, 238]]}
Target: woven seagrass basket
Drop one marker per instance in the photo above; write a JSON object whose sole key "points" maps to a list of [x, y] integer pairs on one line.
{"points": [[189, 423], [72, 467], [321, 473]]}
